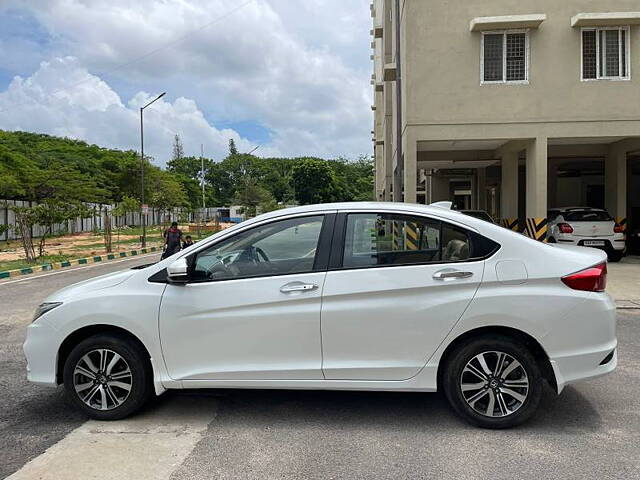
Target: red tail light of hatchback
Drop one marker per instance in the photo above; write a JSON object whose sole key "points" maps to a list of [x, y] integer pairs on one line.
{"points": [[617, 228], [592, 279], [565, 228]]}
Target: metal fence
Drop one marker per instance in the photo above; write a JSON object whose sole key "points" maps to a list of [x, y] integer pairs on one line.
{"points": [[96, 221]]}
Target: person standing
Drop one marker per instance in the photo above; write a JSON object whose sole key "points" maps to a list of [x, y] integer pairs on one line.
{"points": [[187, 242], [172, 240]]}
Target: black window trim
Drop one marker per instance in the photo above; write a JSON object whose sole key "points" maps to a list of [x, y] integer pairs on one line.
{"points": [[320, 263], [340, 231]]}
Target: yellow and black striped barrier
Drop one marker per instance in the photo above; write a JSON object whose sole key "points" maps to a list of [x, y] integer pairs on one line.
{"points": [[537, 229], [511, 224], [412, 236], [396, 236]]}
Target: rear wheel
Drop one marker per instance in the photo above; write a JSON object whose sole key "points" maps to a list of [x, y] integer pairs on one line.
{"points": [[493, 382], [108, 377]]}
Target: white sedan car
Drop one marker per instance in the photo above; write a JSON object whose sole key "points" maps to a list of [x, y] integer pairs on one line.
{"points": [[587, 227], [350, 296]]}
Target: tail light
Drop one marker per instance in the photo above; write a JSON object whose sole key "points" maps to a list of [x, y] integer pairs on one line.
{"points": [[592, 279], [617, 228], [565, 228]]}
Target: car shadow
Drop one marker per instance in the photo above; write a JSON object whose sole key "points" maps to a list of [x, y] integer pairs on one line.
{"points": [[406, 411]]}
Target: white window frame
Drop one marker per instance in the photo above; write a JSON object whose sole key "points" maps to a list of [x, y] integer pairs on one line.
{"points": [[504, 80], [627, 52]]}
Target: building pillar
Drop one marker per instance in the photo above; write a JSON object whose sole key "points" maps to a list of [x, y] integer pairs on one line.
{"points": [[615, 181], [440, 189], [536, 193], [552, 184], [509, 190], [410, 173], [396, 195], [481, 185]]}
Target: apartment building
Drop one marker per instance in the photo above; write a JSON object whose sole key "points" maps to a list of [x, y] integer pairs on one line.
{"points": [[507, 106]]}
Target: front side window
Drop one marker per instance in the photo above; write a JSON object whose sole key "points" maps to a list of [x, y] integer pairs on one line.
{"points": [[376, 239], [277, 248], [605, 53], [505, 57]]}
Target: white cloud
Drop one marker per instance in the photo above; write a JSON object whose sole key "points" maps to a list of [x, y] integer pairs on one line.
{"points": [[92, 111], [299, 68]]}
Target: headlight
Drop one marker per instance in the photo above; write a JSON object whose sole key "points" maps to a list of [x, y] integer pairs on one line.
{"points": [[44, 308]]}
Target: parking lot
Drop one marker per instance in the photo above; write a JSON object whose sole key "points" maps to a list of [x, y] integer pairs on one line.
{"points": [[591, 431]]}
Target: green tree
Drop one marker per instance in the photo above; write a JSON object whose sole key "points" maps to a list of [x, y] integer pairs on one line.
{"points": [[354, 179], [178, 149], [126, 206], [314, 181], [232, 147], [250, 195], [188, 171], [166, 192]]}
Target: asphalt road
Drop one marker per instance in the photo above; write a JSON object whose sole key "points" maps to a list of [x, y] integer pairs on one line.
{"points": [[33, 418], [591, 431]]}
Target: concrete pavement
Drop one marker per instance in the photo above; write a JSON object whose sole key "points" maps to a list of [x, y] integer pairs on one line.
{"points": [[623, 282]]}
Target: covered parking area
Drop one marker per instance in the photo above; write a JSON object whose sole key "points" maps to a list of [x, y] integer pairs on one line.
{"points": [[517, 180]]}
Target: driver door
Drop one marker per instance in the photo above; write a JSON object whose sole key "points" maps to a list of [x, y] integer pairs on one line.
{"points": [[252, 308]]}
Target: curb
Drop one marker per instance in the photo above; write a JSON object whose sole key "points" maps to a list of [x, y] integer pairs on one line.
{"points": [[76, 261]]}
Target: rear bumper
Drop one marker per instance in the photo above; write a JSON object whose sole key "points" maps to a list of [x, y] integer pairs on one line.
{"points": [[583, 345], [584, 366], [609, 244]]}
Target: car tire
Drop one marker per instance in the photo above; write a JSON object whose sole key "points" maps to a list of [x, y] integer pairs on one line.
{"points": [[108, 376], [615, 256], [492, 404]]}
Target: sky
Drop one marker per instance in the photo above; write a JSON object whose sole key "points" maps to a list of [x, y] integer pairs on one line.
{"points": [[289, 76]]}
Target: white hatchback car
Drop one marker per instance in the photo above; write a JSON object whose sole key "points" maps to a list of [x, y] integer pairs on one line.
{"points": [[587, 227], [352, 296]]}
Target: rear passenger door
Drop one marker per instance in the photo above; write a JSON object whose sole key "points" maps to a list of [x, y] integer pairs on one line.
{"points": [[397, 285]]}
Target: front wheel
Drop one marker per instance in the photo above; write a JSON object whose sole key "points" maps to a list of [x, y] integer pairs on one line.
{"points": [[493, 382], [108, 377]]}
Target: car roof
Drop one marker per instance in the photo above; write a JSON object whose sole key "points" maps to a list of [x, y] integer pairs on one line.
{"points": [[579, 209], [399, 207]]}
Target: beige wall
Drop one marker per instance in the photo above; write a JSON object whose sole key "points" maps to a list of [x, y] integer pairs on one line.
{"points": [[441, 66]]}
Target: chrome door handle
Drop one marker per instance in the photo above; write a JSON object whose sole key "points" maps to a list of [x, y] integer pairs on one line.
{"points": [[298, 287], [451, 275]]}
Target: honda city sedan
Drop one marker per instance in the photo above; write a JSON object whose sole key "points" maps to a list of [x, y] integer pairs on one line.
{"points": [[350, 296]]}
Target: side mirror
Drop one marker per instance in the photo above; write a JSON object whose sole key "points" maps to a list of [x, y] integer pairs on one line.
{"points": [[178, 271]]}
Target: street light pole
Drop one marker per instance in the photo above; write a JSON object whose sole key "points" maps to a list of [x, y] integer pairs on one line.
{"points": [[142, 205], [202, 173]]}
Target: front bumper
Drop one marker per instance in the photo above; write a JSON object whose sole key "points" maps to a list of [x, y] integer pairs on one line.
{"points": [[41, 350]]}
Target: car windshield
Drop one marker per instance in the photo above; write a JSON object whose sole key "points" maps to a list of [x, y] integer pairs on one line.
{"points": [[587, 216]]}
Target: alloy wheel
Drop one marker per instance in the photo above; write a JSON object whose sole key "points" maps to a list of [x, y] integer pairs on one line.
{"points": [[102, 379], [494, 384]]}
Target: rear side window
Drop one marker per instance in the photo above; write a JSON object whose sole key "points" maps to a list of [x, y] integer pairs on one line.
{"points": [[587, 216], [389, 239]]}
